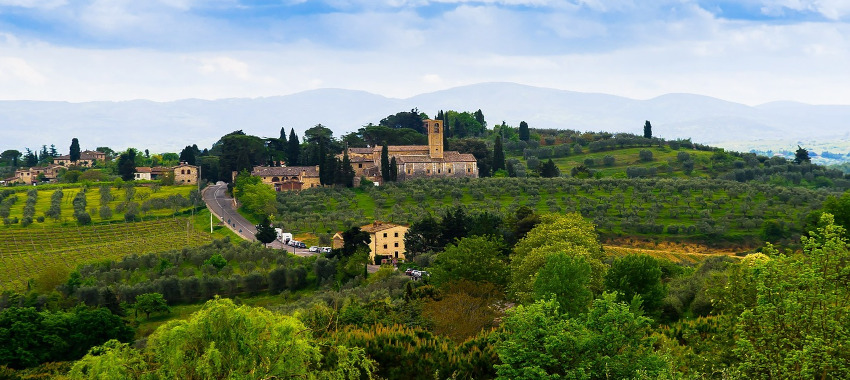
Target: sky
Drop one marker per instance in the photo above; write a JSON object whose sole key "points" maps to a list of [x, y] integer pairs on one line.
{"points": [[747, 51]]}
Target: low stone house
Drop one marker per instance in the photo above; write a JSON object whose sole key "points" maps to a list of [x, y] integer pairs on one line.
{"points": [[286, 178], [87, 159]]}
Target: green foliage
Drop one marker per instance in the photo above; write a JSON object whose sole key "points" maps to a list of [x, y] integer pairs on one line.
{"points": [[29, 337], [523, 131], [637, 275], [839, 207], [265, 232], [256, 197], [112, 360], [75, 150], [610, 341], [216, 261], [207, 345], [476, 258], [647, 130], [569, 234], [566, 279], [549, 170], [796, 327], [150, 303]]}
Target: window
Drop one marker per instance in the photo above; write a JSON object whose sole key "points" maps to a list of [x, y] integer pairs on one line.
{"points": [[396, 234], [439, 170], [396, 254], [436, 127], [427, 171], [385, 246], [469, 170], [359, 166], [385, 234], [396, 244]]}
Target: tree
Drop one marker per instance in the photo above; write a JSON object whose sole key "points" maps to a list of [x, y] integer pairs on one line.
{"points": [[423, 236], [637, 275], [239, 152], [293, 149], [150, 303], [207, 346], [566, 279], [12, 156], [498, 155], [610, 341], [405, 120], [479, 117], [568, 233], [127, 164], [346, 171], [476, 258], [464, 309], [647, 130], [393, 170], [524, 134], [265, 232], [839, 207], [354, 239], [75, 150], [645, 155], [549, 170], [801, 156], [385, 163], [794, 323], [187, 155], [478, 148]]}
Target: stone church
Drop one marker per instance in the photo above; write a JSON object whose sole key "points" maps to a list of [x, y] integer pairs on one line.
{"points": [[415, 161]]}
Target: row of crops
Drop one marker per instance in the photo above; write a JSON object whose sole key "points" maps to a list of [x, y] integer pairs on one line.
{"points": [[24, 253]]}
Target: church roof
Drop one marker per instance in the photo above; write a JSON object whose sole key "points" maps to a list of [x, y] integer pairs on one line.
{"points": [[450, 156]]}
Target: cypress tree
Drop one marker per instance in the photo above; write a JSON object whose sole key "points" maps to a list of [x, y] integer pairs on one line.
{"points": [[347, 171], [385, 163], [647, 130], [393, 170], [498, 155], [524, 134], [293, 149], [75, 150]]}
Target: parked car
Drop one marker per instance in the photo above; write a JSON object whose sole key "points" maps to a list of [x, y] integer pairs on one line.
{"points": [[314, 249], [326, 249], [301, 245], [409, 272]]}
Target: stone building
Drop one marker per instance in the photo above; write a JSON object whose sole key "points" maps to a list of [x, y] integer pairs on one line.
{"points": [[387, 241], [31, 175], [185, 174], [415, 161], [87, 159], [285, 178]]}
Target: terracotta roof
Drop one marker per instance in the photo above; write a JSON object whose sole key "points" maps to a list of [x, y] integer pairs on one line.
{"points": [[378, 226], [183, 164], [405, 148], [450, 156], [159, 169], [87, 155], [359, 159], [264, 171], [360, 150], [143, 169]]}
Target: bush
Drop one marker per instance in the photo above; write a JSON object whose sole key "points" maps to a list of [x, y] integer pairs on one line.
{"points": [[645, 155], [83, 218], [608, 160]]}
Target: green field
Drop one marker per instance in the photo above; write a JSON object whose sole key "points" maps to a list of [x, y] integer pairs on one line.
{"points": [[664, 159], [25, 252], [142, 194]]}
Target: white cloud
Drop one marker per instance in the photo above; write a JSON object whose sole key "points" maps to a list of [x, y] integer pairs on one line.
{"points": [[16, 70], [45, 4]]}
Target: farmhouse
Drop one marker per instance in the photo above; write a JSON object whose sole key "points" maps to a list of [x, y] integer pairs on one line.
{"points": [[415, 161], [87, 159], [184, 174], [386, 244], [31, 175], [285, 178]]}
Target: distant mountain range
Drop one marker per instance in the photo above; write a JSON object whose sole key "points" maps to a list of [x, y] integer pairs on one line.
{"points": [[169, 126]]}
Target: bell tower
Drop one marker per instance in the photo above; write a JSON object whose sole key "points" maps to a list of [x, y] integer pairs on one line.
{"points": [[435, 137]]}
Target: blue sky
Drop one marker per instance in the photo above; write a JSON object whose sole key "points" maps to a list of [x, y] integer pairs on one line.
{"points": [[750, 51]]}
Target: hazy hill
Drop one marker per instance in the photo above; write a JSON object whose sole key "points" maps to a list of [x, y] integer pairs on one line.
{"points": [[168, 126]]}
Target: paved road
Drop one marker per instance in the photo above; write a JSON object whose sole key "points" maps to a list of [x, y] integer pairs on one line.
{"points": [[223, 208]]}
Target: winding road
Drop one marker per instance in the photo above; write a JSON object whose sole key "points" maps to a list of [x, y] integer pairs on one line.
{"points": [[223, 207]]}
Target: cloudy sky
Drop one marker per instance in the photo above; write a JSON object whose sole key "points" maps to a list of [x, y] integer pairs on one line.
{"points": [[749, 51]]}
